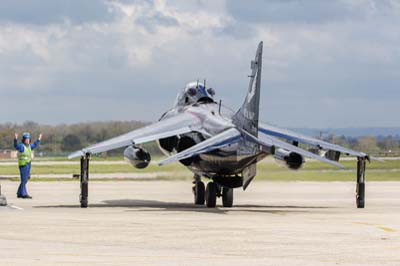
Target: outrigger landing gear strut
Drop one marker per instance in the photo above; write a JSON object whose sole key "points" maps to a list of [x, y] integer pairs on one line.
{"points": [[84, 180], [360, 190]]}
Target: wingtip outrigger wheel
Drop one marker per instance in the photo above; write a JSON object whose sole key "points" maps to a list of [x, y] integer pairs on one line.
{"points": [[3, 200], [360, 190], [84, 180]]}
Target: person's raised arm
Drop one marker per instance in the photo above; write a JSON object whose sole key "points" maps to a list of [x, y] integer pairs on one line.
{"points": [[19, 147], [37, 142]]}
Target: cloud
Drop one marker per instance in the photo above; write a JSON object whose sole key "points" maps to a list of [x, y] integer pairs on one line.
{"points": [[43, 12], [129, 61], [308, 12]]}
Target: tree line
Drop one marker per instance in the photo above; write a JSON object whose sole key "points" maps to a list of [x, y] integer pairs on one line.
{"points": [[374, 145], [59, 140]]}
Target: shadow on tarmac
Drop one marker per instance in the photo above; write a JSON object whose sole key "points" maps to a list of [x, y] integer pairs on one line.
{"points": [[154, 205]]}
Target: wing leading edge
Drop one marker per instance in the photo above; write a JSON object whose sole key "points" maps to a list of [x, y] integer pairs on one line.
{"points": [[270, 141], [176, 125], [269, 130], [233, 135]]}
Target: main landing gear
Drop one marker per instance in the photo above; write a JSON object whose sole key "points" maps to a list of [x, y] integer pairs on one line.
{"points": [[199, 191], [209, 194]]}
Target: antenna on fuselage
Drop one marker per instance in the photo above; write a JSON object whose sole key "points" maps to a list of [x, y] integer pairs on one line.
{"points": [[205, 83], [197, 86]]}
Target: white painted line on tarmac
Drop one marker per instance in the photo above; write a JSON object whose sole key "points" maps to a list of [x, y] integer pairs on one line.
{"points": [[15, 207]]}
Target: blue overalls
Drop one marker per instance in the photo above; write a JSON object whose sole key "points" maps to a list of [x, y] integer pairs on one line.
{"points": [[24, 170]]}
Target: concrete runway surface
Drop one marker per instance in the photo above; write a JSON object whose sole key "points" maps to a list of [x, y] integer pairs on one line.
{"points": [[155, 223]]}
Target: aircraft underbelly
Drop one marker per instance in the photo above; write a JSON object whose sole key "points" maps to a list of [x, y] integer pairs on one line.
{"points": [[229, 160], [221, 162]]}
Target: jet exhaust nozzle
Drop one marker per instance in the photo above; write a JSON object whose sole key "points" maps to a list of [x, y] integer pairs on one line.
{"points": [[291, 160], [137, 157]]}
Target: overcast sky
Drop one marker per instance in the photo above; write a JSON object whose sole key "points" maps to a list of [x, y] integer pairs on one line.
{"points": [[326, 63]]}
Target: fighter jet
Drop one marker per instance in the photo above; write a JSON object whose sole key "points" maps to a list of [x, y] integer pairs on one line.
{"points": [[219, 144]]}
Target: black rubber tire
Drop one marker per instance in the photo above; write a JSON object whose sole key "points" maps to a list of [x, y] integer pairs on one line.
{"points": [[199, 193], [227, 197], [84, 195], [211, 195], [360, 198], [84, 204], [360, 203]]}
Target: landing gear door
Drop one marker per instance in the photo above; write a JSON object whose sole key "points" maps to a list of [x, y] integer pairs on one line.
{"points": [[248, 148], [248, 174]]}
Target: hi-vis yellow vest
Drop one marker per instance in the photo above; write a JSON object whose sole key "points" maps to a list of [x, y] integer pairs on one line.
{"points": [[25, 157]]}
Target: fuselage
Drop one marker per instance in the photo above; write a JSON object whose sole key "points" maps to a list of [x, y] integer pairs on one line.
{"points": [[213, 119]]}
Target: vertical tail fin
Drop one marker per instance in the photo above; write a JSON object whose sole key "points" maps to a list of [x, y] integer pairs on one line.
{"points": [[247, 116]]}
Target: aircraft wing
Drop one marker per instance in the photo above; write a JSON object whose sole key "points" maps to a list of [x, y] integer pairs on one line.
{"points": [[233, 135], [179, 124], [220, 140], [269, 130], [270, 141]]}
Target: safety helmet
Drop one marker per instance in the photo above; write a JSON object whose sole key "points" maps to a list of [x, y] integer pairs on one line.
{"points": [[26, 136]]}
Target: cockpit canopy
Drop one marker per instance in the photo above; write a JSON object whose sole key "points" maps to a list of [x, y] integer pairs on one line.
{"points": [[195, 92]]}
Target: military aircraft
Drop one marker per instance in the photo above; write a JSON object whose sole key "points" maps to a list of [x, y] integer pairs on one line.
{"points": [[219, 144]]}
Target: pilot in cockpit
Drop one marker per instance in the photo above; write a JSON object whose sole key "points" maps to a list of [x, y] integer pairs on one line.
{"points": [[195, 92]]}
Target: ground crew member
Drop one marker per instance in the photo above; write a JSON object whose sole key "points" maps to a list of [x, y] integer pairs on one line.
{"points": [[24, 161]]}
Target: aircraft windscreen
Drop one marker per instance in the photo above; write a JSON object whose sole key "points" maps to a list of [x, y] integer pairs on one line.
{"points": [[195, 92]]}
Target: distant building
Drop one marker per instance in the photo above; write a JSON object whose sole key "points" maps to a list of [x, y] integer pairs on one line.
{"points": [[10, 154]]}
